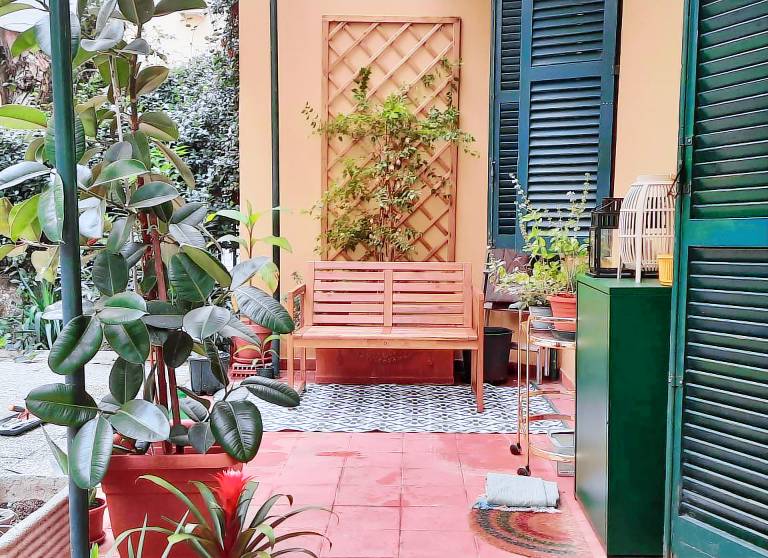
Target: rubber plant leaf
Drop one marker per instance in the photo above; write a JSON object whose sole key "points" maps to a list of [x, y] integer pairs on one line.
{"points": [[59, 404], [177, 348], [21, 172], [204, 322], [243, 271], [165, 7], [50, 210], [49, 146], [125, 379], [110, 273], [120, 169], [150, 78], [129, 340], [272, 391], [237, 427], [158, 125], [137, 11], [209, 264], [184, 171], [201, 437], [192, 213], [263, 309], [121, 234], [90, 452], [153, 194], [76, 345], [188, 235], [190, 282], [141, 420], [122, 307]]}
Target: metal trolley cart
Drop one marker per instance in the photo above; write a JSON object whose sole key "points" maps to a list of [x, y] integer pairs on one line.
{"points": [[544, 341]]}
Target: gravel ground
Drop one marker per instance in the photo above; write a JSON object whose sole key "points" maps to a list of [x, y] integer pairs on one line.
{"points": [[29, 453]]}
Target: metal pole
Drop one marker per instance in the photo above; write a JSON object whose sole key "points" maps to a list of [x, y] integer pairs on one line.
{"points": [[275, 90], [64, 122]]}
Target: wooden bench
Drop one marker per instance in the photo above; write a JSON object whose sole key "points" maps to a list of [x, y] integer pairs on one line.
{"points": [[400, 305]]}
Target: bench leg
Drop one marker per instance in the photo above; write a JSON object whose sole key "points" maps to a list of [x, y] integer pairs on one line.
{"points": [[480, 380], [291, 371], [302, 370]]}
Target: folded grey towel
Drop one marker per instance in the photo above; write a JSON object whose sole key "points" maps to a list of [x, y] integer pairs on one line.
{"points": [[520, 492]]}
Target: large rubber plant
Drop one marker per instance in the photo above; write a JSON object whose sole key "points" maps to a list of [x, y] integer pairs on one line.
{"points": [[164, 293]]}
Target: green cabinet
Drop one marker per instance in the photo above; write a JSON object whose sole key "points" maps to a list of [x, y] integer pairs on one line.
{"points": [[622, 362]]}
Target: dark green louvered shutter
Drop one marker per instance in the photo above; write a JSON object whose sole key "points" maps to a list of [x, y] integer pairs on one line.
{"points": [[567, 99], [506, 113], [719, 501]]}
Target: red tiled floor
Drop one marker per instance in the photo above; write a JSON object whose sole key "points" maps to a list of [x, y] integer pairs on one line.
{"points": [[393, 495]]}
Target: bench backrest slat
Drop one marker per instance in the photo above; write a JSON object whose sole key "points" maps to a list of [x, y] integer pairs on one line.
{"points": [[406, 294]]}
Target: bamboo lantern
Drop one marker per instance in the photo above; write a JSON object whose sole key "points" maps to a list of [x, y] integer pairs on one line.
{"points": [[646, 225]]}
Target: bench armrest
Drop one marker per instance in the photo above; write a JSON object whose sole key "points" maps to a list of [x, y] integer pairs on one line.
{"points": [[293, 294], [478, 300]]}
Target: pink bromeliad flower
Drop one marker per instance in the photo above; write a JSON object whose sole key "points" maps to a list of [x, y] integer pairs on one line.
{"points": [[229, 486]]}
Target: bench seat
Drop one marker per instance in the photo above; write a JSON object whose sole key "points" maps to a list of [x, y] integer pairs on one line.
{"points": [[390, 305], [393, 333]]}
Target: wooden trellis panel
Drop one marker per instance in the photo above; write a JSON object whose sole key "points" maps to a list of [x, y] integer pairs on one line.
{"points": [[400, 52]]}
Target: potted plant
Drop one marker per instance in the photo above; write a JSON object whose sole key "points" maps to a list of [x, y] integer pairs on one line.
{"points": [[96, 508], [163, 292], [243, 351], [223, 527], [256, 356], [558, 251], [380, 187]]}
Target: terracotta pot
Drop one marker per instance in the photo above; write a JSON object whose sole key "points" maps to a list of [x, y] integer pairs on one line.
{"points": [[44, 533], [129, 499], [96, 522], [247, 356], [564, 306]]}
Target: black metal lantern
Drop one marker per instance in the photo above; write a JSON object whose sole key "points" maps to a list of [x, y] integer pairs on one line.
{"points": [[604, 239]]}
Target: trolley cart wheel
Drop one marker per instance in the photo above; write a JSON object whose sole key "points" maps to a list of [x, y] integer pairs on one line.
{"points": [[524, 471], [516, 449]]}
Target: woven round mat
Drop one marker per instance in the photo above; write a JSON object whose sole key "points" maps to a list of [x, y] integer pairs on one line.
{"points": [[536, 535]]}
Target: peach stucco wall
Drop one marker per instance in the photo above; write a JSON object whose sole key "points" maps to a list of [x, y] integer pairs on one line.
{"points": [[649, 90], [646, 121], [300, 39]]}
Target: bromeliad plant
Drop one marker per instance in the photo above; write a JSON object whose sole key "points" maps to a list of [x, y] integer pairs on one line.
{"points": [[224, 528], [163, 294]]}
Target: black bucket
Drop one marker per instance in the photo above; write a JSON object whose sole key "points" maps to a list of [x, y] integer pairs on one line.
{"points": [[497, 343]]}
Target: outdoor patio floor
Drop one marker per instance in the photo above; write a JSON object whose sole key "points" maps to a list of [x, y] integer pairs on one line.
{"points": [[394, 495]]}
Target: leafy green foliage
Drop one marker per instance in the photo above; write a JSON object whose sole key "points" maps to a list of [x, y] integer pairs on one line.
{"points": [[224, 528], [150, 254], [380, 188]]}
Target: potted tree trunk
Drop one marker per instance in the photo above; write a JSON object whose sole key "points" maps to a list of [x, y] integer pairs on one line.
{"points": [[378, 191], [163, 292]]}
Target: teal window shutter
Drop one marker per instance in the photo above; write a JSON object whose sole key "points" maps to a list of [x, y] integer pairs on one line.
{"points": [[505, 116], [567, 94]]}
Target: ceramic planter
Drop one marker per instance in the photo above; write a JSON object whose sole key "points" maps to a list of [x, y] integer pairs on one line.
{"points": [[130, 499], [540, 312], [45, 533], [96, 533], [564, 306]]}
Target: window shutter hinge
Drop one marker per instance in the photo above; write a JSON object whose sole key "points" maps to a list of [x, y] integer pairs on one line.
{"points": [[686, 141], [675, 380]]}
